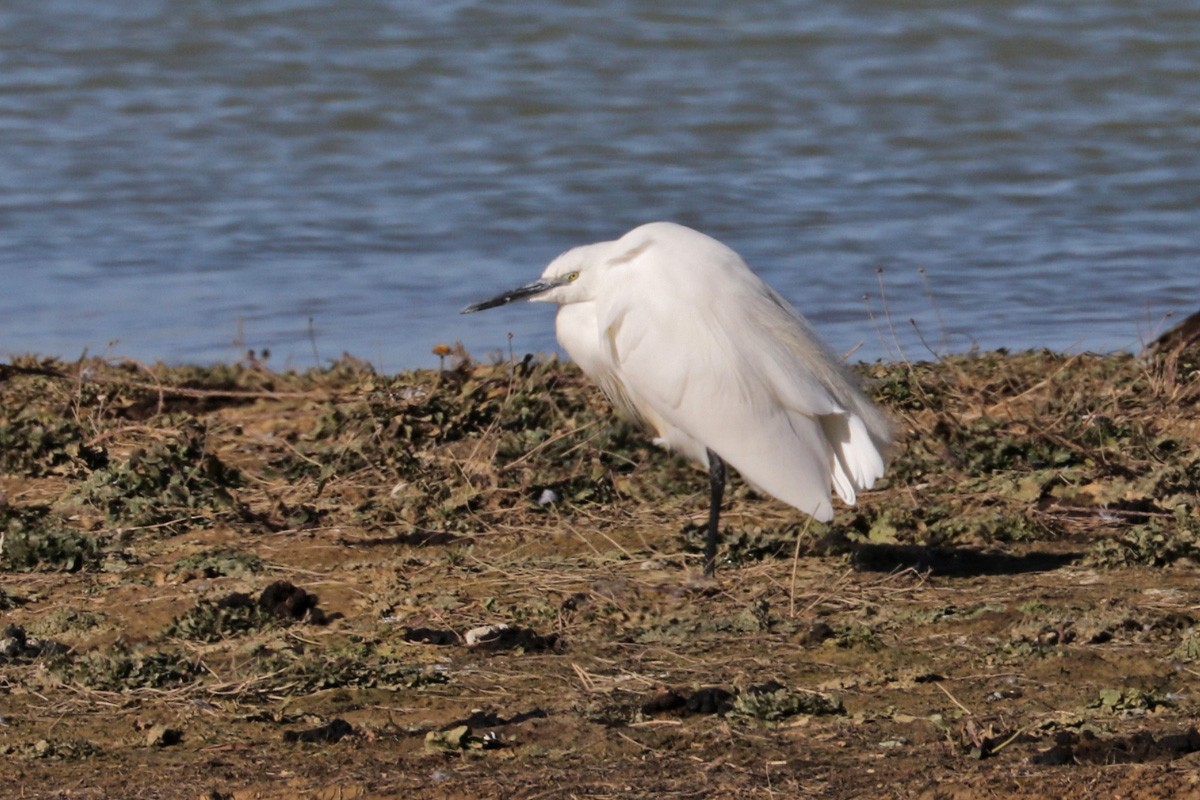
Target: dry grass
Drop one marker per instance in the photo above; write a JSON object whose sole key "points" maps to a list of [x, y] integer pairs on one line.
{"points": [[1025, 572]]}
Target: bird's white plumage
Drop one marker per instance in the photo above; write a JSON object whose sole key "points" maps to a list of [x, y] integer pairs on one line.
{"points": [[677, 330]]}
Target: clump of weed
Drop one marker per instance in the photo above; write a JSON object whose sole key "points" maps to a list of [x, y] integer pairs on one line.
{"points": [[125, 668], [886, 525], [757, 543], [214, 620], [906, 386], [17, 646], [59, 749], [219, 563], [858, 636], [984, 527], [41, 444], [987, 445], [938, 525], [356, 665], [419, 413], [10, 601], [1178, 484], [34, 539], [1130, 700], [772, 702], [281, 603], [66, 620], [1157, 543], [590, 487], [397, 427], [165, 484], [1043, 627], [1188, 648]]}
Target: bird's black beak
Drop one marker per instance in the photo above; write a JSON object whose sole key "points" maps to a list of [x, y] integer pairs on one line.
{"points": [[503, 299]]}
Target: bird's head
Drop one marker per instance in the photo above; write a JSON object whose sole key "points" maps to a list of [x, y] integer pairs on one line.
{"points": [[570, 278]]}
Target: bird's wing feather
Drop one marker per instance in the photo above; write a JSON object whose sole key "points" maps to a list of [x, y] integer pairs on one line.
{"points": [[715, 359], [691, 361], [856, 430]]}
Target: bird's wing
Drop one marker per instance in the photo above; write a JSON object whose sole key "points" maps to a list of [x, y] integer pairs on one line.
{"points": [[690, 360], [856, 430]]}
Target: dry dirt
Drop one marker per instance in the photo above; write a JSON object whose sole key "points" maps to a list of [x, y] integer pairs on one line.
{"points": [[236, 583]]}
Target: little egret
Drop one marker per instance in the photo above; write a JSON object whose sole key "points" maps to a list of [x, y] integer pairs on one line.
{"points": [[680, 334]]}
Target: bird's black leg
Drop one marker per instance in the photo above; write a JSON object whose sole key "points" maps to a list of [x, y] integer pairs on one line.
{"points": [[716, 476]]}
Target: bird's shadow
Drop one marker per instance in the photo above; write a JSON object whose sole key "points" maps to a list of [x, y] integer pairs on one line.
{"points": [[959, 562]]}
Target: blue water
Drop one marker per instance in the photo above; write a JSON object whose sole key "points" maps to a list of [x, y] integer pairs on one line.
{"points": [[181, 180]]}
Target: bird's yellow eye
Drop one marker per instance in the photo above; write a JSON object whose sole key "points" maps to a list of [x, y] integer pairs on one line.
{"points": [[570, 276]]}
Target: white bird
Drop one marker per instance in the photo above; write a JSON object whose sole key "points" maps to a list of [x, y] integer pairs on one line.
{"points": [[680, 333]]}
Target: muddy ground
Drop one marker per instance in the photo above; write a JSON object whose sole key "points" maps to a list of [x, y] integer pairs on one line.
{"points": [[237, 582]]}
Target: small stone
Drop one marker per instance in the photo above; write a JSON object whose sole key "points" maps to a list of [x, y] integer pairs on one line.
{"points": [[457, 738], [162, 736], [484, 633]]}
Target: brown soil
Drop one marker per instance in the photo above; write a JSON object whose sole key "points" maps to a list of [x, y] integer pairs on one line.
{"points": [[990, 623]]}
